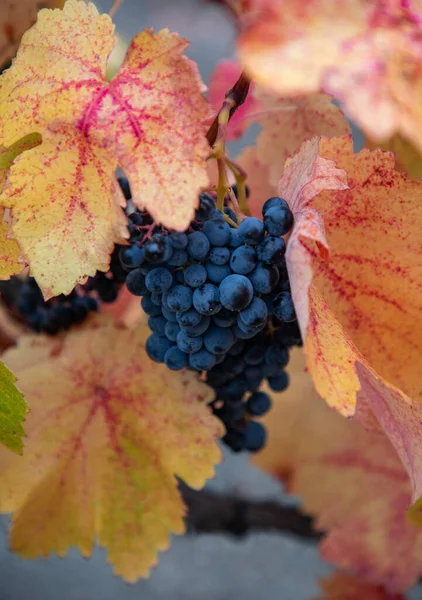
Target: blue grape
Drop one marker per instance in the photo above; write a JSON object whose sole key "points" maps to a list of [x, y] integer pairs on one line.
{"points": [[217, 231], [279, 383], [276, 202], [264, 278], [278, 221], [124, 185], [135, 283], [284, 309], [230, 213], [179, 298], [206, 299], [254, 315], [157, 299], [157, 249], [189, 318], [132, 257], [271, 250], [171, 330], [169, 314], [175, 359], [149, 307], [195, 275], [206, 207], [277, 355], [219, 255], [236, 292], [156, 347], [218, 340], [233, 390], [216, 273], [255, 436], [199, 329], [159, 280], [178, 240], [243, 260], [235, 240], [178, 258], [203, 360], [157, 324], [225, 318], [242, 334], [254, 355], [188, 344], [198, 245], [258, 404], [251, 230]]}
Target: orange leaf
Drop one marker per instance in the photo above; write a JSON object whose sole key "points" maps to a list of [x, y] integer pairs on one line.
{"points": [[95, 466], [370, 60], [224, 76], [408, 159], [341, 586], [354, 259], [149, 120], [353, 482]]}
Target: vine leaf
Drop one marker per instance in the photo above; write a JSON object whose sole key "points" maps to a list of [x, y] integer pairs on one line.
{"points": [[15, 19], [351, 480], [95, 466], [343, 586], [149, 120], [408, 159], [13, 409], [354, 260], [224, 76], [9, 249], [371, 60]]}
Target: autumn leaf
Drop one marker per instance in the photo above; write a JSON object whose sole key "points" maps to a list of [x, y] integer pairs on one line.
{"points": [[149, 120], [13, 409], [9, 249], [352, 481], [16, 16], [341, 586], [222, 79], [108, 433], [366, 54], [408, 159]]}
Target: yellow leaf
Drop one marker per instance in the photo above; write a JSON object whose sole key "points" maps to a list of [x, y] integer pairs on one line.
{"points": [[13, 409], [149, 120], [108, 433]]}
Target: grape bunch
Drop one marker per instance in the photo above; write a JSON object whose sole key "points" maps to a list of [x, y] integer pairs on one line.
{"points": [[54, 315], [218, 301]]}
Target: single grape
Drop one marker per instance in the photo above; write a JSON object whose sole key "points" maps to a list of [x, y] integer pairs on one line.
{"points": [[251, 230], [132, 256], [135, 283], [203, 360], [178, 258], [175, 359], [279, 383], [271, 250], [277, 355], [278, 221], [284, 309], [149, 307], [225, 318], [179, 298], [171, 330], [159, 280], [157, 299], [189, 318], [276, 202], [178, 240], [157, 249], [206, 207], [236, 292], [255, 436], [198, 245], [216, 273], [218, 232], [258, 404], [218, 339], [195, 275], [199, 329], [219, 255], [157, 324], [254, 315], [230, 213], [243, 260], [264, 278], [235, 240], [253, 355], [188, 344], [206, 299], [157, 346], [169, 314]]}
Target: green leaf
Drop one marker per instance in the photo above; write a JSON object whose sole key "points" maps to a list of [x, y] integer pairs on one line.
{"points": [[13, 409]]}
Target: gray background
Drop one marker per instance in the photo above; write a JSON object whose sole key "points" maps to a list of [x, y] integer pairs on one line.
{"points": [[210, 567]]}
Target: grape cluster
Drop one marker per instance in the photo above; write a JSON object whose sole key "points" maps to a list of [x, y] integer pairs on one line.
{"points": [[54, 315], [218, 300]]}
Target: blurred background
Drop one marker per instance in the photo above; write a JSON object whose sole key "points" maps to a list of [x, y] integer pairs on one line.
{"points": [[239, 546]]}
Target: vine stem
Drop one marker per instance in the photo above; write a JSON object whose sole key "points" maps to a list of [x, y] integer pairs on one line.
{"points": [[113, 10]]}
